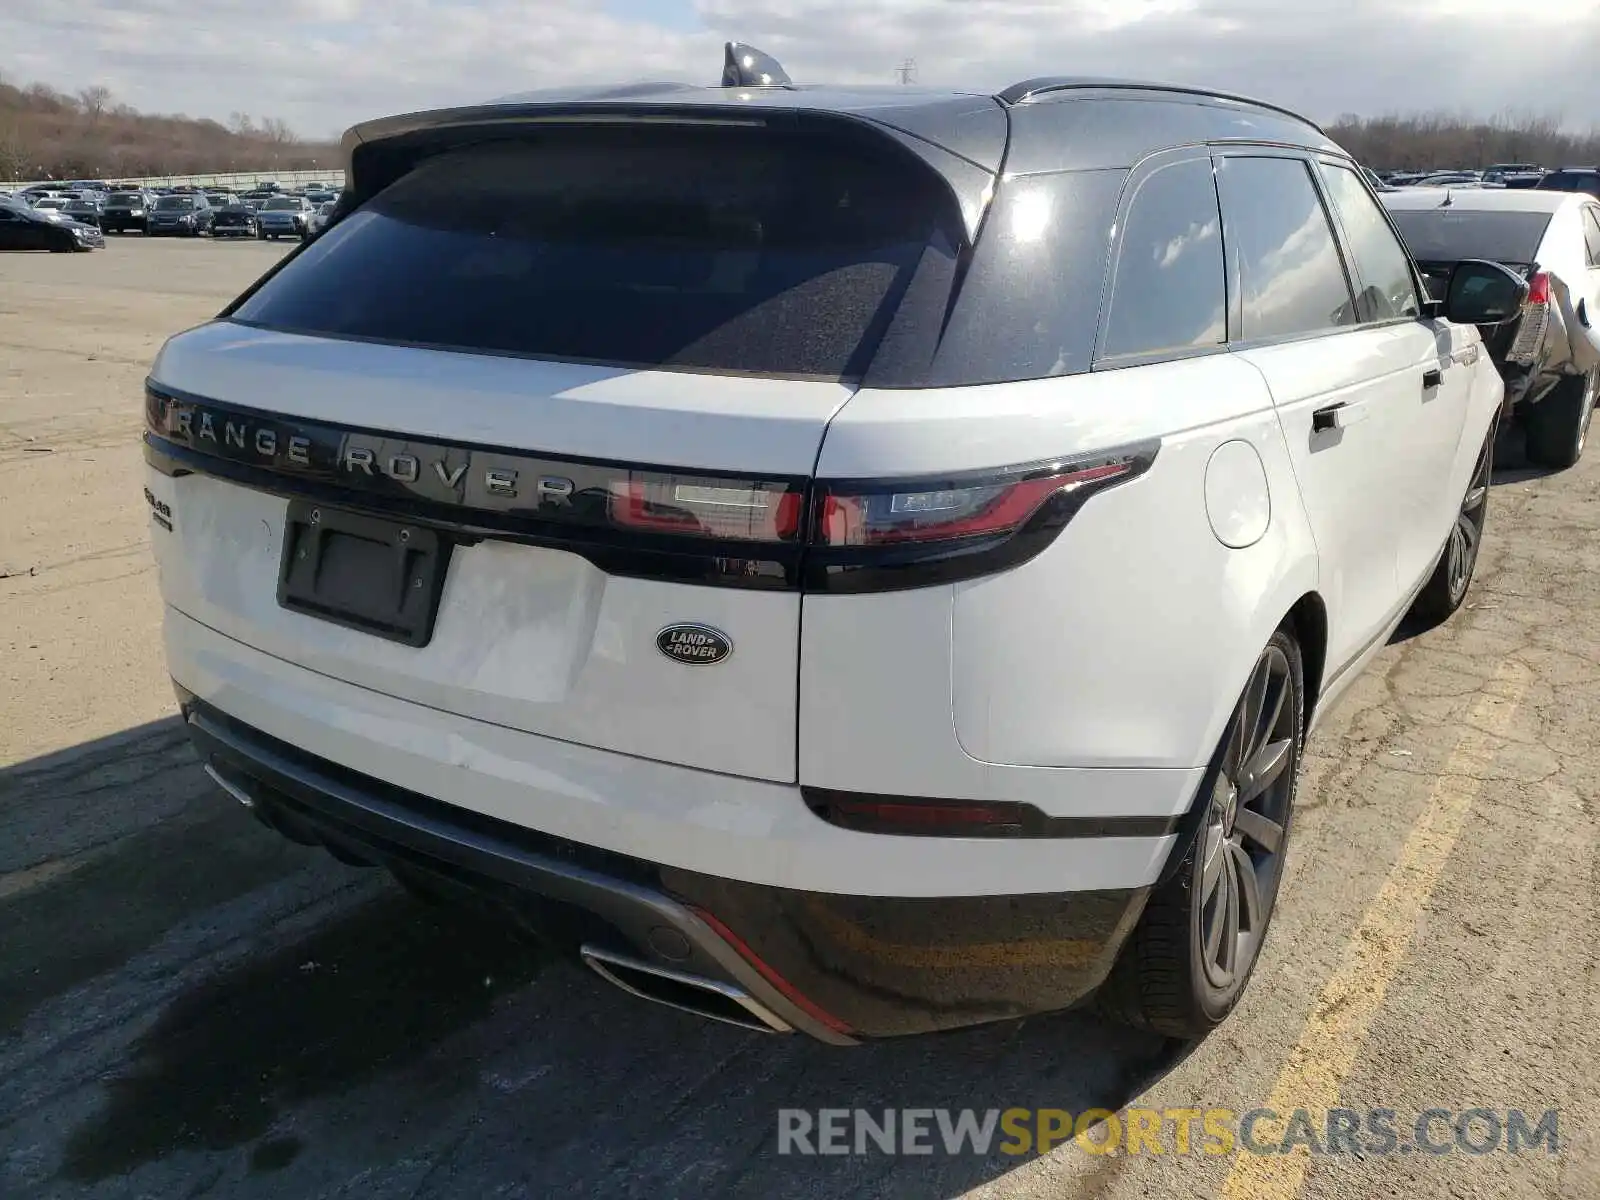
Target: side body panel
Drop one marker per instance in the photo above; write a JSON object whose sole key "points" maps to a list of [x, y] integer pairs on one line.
{"points": [[1123, 645]]}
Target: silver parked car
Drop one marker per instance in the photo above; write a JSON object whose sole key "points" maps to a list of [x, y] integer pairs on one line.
{"points": [[283, 216]]}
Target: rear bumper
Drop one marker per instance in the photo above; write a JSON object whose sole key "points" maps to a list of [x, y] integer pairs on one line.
{"points": [[834, 967], [720, 825]]}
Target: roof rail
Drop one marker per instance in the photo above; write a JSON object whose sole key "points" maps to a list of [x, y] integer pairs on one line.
{"points": [[1027, 89]]}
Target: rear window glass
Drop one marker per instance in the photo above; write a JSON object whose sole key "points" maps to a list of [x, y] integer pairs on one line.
{"points": [[700, 249], [125, 198], [280, 204], [170, 203], [1572, 181], [1450, 235]]}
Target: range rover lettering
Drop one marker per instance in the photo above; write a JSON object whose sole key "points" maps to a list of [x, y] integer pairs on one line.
{"points": [[840, 560]]}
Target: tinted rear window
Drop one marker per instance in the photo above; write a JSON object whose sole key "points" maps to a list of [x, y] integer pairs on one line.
{"points": [[171, 203], [701, 249], [1572, 181], [1446, 235], [126, 198]]}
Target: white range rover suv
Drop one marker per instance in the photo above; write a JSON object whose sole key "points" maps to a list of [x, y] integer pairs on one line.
{"points": [[848, 561]]}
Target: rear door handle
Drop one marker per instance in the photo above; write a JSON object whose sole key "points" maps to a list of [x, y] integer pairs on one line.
{"points": [[1337, 416], [1432, 378]]}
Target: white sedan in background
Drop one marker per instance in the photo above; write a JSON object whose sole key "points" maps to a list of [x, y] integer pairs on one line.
{"points": [[1549, 356]]}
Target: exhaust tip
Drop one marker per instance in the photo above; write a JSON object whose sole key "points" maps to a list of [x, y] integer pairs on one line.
{"points": [[709, 998]]}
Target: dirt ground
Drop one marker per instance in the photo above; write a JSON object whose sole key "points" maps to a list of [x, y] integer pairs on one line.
{"points": [[190, 1006]]}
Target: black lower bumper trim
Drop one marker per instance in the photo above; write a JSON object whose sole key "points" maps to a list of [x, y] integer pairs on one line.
{"points": [[821, 962], [411, 834]]}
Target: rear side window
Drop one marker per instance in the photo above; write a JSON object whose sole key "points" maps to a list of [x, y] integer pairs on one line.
{"points": [[1290, 274], [717, 249], [1169, 292], [1388, 289]]}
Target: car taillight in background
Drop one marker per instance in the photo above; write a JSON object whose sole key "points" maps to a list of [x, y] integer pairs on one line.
{"points": [[1534, 322]]}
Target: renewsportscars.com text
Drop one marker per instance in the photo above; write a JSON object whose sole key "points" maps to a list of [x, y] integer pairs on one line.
{"points": [[1362, 1133]]}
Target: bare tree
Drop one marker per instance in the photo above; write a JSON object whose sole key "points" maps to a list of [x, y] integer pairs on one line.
{"points": [[93, 101], [277, 132], [16, 155]]}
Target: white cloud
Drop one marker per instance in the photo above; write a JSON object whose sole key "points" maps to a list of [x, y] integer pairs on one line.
{"points": [[322, 64]]}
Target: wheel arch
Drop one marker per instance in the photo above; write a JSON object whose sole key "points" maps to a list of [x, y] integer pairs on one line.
{"points": [[1308, 620]]}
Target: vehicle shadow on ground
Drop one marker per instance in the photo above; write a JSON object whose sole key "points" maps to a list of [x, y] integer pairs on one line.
{"points": [[365, 1041]]}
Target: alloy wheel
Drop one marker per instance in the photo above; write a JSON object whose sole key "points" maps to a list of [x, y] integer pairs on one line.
{"points": [[1467, 535], [1241, 858]]}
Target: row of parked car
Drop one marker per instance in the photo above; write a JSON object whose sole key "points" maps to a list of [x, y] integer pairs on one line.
{"points": [[1500, 175], [268, 212]]}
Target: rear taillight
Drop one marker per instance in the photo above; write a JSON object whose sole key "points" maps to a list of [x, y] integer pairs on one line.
{"points": [[782, 533], [879, 517], [1534, 322], [872, 535], [715, 508]]}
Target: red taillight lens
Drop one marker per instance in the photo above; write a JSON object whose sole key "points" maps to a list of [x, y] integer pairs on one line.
{"points": [[1535, 321], [715, 508], [882, 515]]}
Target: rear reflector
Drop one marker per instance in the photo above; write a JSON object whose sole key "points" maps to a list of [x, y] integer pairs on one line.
{"points": [[920, 816]]}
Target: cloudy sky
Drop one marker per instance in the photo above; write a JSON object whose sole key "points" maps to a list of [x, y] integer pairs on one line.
{"points": [[322, 64]]}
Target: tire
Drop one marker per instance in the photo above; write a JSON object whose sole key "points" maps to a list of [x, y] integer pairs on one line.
{"points": [[1558, 425], [1181, 973], [1446, 589]]}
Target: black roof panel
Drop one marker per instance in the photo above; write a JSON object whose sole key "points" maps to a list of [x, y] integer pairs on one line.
{"points": [[1093, 129]]}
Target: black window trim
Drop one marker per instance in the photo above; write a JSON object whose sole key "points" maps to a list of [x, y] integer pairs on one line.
{"points": [[1136, 179], [1307, 159], [1347, 248]]}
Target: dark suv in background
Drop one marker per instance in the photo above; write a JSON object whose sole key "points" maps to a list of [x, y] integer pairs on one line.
{"points": [[180, 215], [1572, 179], [127, 210]]}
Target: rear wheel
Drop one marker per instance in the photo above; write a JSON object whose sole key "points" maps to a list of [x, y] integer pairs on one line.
{"points": [[1446, 589], [1187, 961], [1558, 425]]}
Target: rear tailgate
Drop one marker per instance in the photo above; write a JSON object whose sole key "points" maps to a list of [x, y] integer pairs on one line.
{"points": [[598, 370]]}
